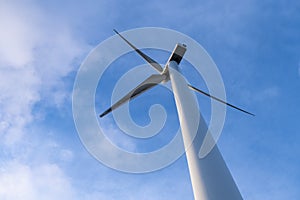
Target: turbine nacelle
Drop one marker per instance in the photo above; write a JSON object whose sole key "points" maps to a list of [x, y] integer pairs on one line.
{"points": [[176, 56], [178, 53]]}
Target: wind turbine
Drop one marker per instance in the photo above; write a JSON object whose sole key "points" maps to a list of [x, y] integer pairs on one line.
{"points": [[210, 177]]}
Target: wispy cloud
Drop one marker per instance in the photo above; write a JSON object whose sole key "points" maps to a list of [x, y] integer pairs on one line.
{"points": [[36, 54], [267, 93], [21, 181], [117, 137]]}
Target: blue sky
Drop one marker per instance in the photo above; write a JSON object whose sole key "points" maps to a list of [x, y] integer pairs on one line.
{"points": [[255, 44]]}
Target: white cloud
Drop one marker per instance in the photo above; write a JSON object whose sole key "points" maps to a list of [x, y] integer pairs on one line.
{"points": [[19, 91], [21, 181], [36, 52], [117, 137], [66, 155], [19, 33], [262, 95], [269, 92]]}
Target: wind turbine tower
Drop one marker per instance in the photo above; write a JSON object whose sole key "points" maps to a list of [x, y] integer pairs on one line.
{"points": [[210, 177]]}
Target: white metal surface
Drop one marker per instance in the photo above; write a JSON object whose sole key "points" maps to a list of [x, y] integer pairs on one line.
{"points": [[210, 177]]}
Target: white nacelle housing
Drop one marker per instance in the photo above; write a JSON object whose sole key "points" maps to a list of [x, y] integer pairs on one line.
{"points": [[177, 53]]}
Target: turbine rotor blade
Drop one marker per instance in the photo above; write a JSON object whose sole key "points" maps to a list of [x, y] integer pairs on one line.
{"points": [[220, 100], [149, 83], [152, 62]]}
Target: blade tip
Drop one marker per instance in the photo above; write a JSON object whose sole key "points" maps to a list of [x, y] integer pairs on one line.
{"points": [[115, 31], [249, 113]]}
